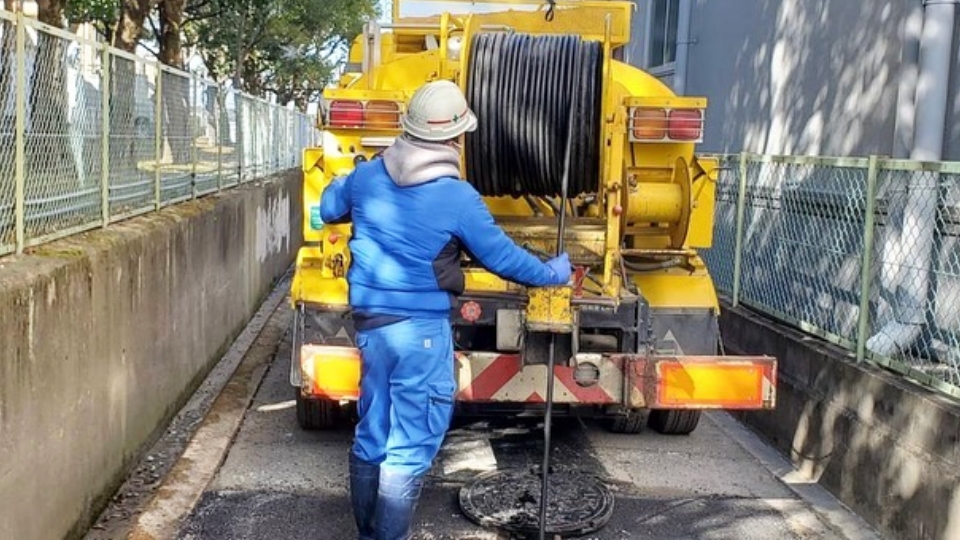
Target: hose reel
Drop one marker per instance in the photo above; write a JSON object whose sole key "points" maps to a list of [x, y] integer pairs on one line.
{"points": [[522, 88], [666, 204]]}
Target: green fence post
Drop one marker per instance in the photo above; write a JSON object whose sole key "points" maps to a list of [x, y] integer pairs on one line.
{"points": [[241, 140], [157, 139], [105, 135], [21, 133], [219, 135], [866, 272], [194, 132], [738, 242]]}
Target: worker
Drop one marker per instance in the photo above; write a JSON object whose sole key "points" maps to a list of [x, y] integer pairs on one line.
{"points": [[412, 218]]}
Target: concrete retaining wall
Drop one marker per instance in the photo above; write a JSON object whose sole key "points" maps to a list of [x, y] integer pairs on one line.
{"points": [[888, 449], [105, 335]]}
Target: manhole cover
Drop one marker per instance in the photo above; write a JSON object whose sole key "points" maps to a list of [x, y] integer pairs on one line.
{"points": [[510, 501]]}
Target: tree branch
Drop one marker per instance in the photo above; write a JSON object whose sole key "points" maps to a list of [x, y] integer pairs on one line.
{"points": [[194, 6], [157, 33], [156, 53], [258, 36], [202, 17]]}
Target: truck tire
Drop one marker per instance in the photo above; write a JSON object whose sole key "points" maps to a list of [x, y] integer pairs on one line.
{"points": [[317, 414], [674, 421], [627, 423]]}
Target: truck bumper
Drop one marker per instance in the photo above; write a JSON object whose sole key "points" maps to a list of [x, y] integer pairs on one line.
{"points": [[627, 381]]}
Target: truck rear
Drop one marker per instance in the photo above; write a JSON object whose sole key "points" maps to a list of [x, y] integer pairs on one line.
{"points": [[636, 332]]}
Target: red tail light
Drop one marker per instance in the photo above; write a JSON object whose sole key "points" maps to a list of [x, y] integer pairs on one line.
{"points": [[686, 124], [346, 113]]}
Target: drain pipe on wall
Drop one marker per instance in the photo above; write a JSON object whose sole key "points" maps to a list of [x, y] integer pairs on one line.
{"points": [[907, 89], [915, 254], [684, 11]]}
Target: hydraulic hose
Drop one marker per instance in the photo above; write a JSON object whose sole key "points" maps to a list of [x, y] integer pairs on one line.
{"points": [[651, 266], [524, 89]]}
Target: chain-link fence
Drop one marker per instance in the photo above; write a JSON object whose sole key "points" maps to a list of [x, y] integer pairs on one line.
{"points": [[90, 135], [862, 252]]}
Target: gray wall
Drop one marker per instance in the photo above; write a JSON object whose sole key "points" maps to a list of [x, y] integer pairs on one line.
{"points": [[103, 336], [885, 447], [951, 139], [811, 77]]}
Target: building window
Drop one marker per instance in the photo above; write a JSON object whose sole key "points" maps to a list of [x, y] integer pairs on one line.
{"points": [[663, 32]]}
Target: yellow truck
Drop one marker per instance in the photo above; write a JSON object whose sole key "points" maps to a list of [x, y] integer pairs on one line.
{"points": [[636, 332]]}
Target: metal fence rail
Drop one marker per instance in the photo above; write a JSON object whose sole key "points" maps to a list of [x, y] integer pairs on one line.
{"points": [[90, 134], [864, 252]]}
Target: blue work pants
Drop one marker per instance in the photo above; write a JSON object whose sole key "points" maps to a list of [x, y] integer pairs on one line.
{"points": [[406, 394]]}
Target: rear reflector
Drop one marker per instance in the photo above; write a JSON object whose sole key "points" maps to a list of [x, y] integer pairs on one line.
{"points": [[331, 372], [720, 384]]}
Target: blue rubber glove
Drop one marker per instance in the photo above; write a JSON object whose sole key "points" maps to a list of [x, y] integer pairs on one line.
{"points": [[560, 268]]}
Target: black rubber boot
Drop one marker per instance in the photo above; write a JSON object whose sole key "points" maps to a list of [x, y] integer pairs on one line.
{"points": [[364, 482], [396, 504]]}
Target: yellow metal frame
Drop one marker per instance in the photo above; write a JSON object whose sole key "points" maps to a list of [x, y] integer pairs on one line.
{"points": [[582, 17], [625, 167]]}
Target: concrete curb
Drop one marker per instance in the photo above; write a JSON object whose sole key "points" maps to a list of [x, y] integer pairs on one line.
{"points": [[821, 502], [221, 403]]}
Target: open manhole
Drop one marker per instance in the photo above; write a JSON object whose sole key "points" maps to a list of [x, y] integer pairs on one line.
{"points": [[509, 500]]}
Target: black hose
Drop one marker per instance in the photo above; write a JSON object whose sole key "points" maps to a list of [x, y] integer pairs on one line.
{"points": [[651, 266], [523, 89]]}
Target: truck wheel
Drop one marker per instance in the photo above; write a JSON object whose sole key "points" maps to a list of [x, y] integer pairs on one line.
{"points": [[317, 413], [674, 421], [627, 423]]}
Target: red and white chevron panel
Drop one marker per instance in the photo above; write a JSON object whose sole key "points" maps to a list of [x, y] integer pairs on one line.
{"points": [[703, 382], [492, 377]]}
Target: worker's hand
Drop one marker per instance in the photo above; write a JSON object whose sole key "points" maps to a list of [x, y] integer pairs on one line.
{"points": [[560, 268]]}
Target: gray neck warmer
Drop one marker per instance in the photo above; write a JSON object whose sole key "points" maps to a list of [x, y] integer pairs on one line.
{"points": [[411, 162]]}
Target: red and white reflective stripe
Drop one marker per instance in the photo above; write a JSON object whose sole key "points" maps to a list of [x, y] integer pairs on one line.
{"points": [[633, 380], [450, 121], [496, 377]]}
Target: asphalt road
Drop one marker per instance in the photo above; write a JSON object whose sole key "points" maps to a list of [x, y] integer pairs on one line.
{"points": [[279, 482]]}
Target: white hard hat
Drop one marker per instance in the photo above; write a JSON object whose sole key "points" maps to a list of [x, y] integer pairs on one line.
{"points": [[438, 111]]}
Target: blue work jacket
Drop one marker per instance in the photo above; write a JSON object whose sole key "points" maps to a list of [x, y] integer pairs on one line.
{"points": [[407, 242]]}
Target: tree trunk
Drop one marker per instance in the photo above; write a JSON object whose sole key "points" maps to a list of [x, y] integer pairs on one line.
{"points": [[130, 24], [128, 144], [176, 89], [50, 12], [238, 86], [241, 54], [49, 134], [171, 22]]}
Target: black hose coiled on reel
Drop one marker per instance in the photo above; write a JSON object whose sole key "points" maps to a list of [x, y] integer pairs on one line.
{"points": [[521, 87]]}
